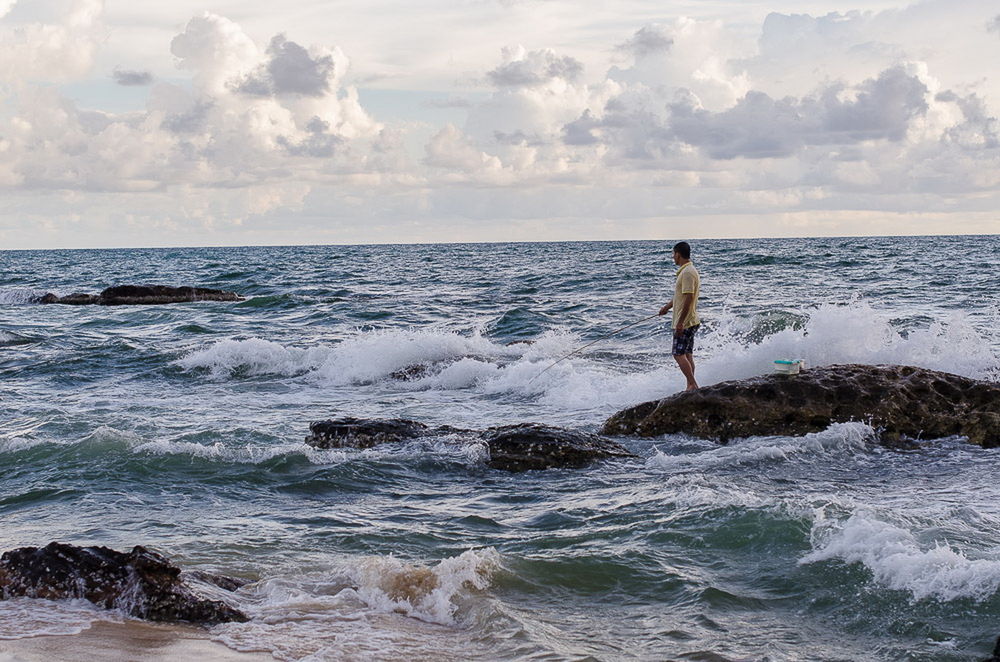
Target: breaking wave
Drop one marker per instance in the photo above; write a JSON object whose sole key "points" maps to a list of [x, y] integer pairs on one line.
{"points": [[449, 361], [367, 608], [898, 561]]}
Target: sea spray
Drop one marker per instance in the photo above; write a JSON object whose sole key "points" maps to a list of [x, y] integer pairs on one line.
{"points": [[899, 562]]}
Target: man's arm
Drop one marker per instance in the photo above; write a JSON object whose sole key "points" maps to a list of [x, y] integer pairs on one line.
{"points": [[666, 308]]}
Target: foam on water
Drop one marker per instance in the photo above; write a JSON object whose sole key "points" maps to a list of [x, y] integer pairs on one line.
{"points": [[839, 438], [367, 609], [34, 617], [898, 561], [110, 440], [852, 333], [19, 296]]}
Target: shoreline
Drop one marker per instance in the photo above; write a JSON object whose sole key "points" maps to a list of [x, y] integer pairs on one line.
{"points": [[126, 642]]}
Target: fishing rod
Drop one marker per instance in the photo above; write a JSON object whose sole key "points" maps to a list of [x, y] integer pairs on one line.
{"points": [[605, 337]]}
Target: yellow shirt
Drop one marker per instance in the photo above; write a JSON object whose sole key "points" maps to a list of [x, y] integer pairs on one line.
{"points": [[688, 282]]}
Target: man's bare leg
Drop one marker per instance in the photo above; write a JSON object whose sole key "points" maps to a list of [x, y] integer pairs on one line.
{"points": [[686, 364]]}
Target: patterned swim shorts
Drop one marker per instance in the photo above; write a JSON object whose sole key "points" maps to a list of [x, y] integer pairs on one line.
{"points": [[684, 342]]}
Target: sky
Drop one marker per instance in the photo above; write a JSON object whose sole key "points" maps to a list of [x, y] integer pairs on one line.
{"points": [[195, 123]]}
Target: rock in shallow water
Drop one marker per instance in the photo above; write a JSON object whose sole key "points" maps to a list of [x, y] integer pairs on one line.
{"points": [[141, 583], [122, 295], [899, 401], [511, 447]]}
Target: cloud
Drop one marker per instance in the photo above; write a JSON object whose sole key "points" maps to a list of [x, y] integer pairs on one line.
{"points": [[521, 68], [57, 51], [308, 126], [761, 127], [130, 78], [648, 40], [994, 25], [290, 69]]}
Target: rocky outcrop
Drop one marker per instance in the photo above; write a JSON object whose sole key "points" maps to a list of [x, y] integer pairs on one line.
{"points": [[141, 583], [534, 446], [901, 402], [142, 295], [511, 447]]}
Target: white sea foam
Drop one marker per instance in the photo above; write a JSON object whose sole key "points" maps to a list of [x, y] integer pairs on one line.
{"points": [[253, 357], [839, 438], [18, 295], [464, 453], [853, 333], [898, 561], [33, 617], [362, 609]]}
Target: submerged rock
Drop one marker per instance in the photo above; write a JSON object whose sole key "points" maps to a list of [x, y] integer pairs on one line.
{"points": [[899, 401], [534, 446], [141, 583], [350, 432], [511, 447], [122, 295]]}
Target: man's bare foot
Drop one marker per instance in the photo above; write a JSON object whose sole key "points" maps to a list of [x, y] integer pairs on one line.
{"points": [[691, 387]]}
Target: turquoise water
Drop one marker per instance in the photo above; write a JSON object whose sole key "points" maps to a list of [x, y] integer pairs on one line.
{"points": [[181, 427]]}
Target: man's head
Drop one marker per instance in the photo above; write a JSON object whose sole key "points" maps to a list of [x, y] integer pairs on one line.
{"points": [[682, 252]]}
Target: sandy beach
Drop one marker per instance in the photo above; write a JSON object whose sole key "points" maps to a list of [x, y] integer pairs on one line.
{"points": [[125, 642]]}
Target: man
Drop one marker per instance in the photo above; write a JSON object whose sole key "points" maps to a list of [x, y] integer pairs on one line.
{"points": [[685, 305]]}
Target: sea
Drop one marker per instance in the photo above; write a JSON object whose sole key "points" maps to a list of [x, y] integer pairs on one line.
{"points": [[181, 427]]}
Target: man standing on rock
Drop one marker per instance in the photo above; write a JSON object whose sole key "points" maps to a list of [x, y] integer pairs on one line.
{"points": [[685, 305]]}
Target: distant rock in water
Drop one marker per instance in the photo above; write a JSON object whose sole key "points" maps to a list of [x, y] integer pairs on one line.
{"points": [[899, 401], [511, 447], [142, 295], [534, 446], [141, 583]]}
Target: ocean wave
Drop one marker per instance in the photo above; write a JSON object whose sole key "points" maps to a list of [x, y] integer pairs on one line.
{"points": [[107, 440], [838, 438], [367, 607], [899, 562], [19, 296], [851, 333], [35, 617], [613, 374], [426, 593]]}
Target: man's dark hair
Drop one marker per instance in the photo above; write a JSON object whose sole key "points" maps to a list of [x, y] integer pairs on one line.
{"points": [[684, 249]]}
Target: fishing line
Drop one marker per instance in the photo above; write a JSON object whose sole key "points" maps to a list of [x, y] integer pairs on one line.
{"points": [[605, 337]]}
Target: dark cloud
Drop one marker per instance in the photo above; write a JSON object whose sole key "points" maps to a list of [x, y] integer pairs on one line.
{"points": [[648, 40], [130, 78], [192, 120], [536, 68], [319, 143], [994, 25], [289, 70], [759, 126]]}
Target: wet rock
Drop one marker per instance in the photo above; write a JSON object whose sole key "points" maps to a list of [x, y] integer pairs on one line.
{"points": [[224, 582], [352, 432], [411, 372], [76, 299], [122, 295], [901, 402], [140, 583], [511, 447], [534, 446]]}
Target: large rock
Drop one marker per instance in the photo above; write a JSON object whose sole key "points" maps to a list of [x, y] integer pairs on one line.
{"points": [[534, 446], [141, 583], [899, 401], [511, 447], [122, 295]]}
